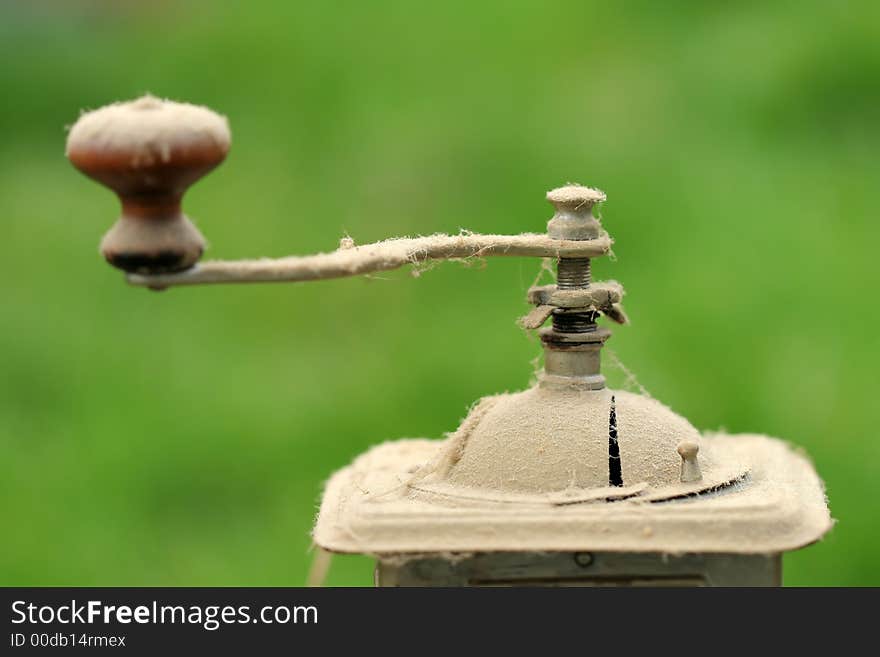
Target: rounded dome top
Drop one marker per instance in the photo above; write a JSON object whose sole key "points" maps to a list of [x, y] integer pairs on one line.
{"points": [[547, 440]]}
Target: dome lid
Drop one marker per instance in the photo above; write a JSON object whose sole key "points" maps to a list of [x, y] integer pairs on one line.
{"points": [[550, 445]]}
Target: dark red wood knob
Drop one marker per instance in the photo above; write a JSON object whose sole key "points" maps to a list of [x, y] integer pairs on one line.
{"points": [[149, 151]]}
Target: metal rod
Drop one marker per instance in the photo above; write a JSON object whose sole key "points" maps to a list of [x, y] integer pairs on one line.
{"points": [[380, 256]]}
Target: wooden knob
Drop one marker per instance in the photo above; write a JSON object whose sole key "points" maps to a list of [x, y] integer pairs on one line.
{"points": [[149, 151]]}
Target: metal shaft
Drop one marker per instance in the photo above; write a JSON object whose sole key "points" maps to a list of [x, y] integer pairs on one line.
{"points": [[571, 347]]}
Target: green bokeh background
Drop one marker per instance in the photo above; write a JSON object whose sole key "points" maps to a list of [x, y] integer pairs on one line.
{"points": [[182, 438]]}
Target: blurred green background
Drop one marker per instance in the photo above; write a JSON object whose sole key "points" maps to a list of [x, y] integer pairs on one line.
{"points": [[182, 438]]}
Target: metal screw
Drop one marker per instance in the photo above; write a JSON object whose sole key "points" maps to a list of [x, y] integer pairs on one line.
{"points": [[574, 220], [583, 559], [572, 273]]}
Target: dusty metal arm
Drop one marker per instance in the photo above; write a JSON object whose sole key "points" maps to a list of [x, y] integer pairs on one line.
{"points": [[370, 258]]}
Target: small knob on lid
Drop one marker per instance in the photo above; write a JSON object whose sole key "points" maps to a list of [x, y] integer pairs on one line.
{"points": [[149, 151], [690, 466]]}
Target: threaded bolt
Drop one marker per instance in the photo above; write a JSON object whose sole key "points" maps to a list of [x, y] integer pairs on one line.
{"points": [[572, 273], [574, 220], [574, 322]]}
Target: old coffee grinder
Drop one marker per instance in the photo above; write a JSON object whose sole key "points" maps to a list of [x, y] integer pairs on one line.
{"points": [[564, 483]]}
